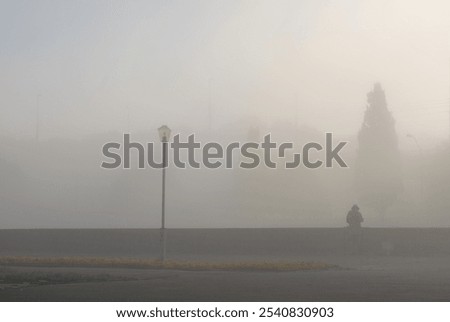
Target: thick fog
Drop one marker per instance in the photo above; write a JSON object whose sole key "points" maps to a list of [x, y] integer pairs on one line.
{"points": [[77, 75]]}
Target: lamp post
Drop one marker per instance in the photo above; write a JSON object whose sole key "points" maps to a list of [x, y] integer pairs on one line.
{"points": [[38, 98], [164, 135]]}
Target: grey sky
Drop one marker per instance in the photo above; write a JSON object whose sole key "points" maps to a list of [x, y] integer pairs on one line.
{"points": [[92, 61]]}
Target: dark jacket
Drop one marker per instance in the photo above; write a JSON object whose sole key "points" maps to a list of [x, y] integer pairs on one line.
{"points": [[354, 218]]}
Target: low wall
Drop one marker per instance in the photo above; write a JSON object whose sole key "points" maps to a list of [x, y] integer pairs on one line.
{"points": [[227, 242]]}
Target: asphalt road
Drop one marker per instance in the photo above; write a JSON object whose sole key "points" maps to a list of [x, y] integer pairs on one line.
{"points": [[358, 279]]}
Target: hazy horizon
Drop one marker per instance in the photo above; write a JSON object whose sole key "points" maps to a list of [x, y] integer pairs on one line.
{"points": [[87, 71]]}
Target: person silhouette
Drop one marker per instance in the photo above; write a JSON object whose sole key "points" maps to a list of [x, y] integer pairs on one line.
{"points": [[354, 221], [354, 218]]}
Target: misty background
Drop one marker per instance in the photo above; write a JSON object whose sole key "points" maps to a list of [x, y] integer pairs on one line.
{"points": [[75, 75]]}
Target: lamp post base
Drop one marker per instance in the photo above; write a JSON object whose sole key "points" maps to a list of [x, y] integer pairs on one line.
{"points": [[163, 244]]}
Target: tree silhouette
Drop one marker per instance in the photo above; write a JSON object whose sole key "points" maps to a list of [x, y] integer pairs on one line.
{"points": [[378, 166]]}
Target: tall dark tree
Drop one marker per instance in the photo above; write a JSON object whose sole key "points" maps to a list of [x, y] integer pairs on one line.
{"points": [[378, 165]]}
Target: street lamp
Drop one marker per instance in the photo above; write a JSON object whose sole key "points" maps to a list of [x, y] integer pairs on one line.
{"points": [[164, 135], [38, 98]]}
